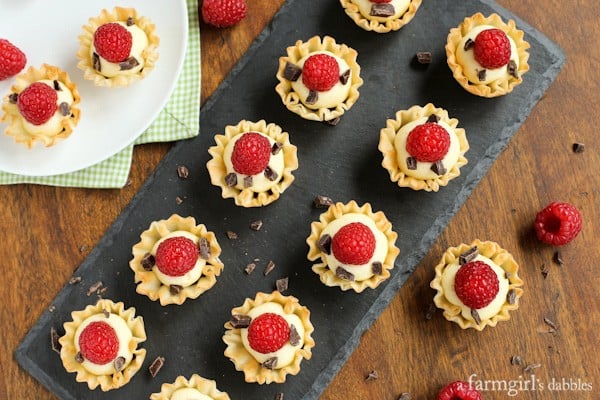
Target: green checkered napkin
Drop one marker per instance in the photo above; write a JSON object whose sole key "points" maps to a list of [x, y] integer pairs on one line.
{"points": [[178, 120]]}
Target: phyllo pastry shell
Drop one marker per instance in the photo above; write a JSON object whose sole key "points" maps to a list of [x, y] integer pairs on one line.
{"points": [[167, 289], [507, 297], [381, 17], [130, 355], [368, 273], [60, 125], [183, 387], [297, 348]]}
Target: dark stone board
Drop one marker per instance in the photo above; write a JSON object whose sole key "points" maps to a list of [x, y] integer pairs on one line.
{"points": [[342, 162]]}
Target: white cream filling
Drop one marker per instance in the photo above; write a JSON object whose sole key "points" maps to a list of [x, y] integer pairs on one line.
{"points": [[486, 312], [331, 98], [190, 277], [54, 124], [364, 6], [189, 394], [471, 67], [363, 271], [423, 170], [260, 183], [286, 354], [139, 42], [124, 336]]}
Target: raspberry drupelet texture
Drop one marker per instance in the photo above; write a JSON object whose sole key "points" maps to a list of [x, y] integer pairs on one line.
{"points": [[320, 72], [223, 13], [459, 390], [251, 154], [492, 48], [353, 244], [268, 333], [558, 223], [476, 284], [428, 142], [176, 256], [12, 59], [98, 343], [381, 1], [37, 103], [113, 42]]}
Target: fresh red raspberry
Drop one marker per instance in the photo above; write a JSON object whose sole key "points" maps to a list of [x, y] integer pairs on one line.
{"points": [[381, 1], [320, 72], [37, 103], [251, 154], [428, 142], [459, 390], [98, 343], [12, 60], [353, 244], [113, 42], [268, 333], [558, 223], [476, 284], [223, 13], [492, 48], [176, 255]]}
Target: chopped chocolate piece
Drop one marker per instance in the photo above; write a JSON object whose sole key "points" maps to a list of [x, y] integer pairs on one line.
{"points": [[56, 85], [232, 235], [148, 262], [269, 268], [13, 98], [183, 171], [405, 396], [430, 311], [175, 289], [411, 162], [74, 280], [475, 316], [270, 363], [204, 248], [256, 225], [270, 174], [345, 77], [65, 108], [511, 296], [511, 68], [468, 255], [247, 181], [96, 62], [372, 376], [276, 148], [52, 308], [550, 323], [231, 179], [106, 313], [343, 274], [516, 360], [250, 268], [239, 321], [128, 64], [324, 244], [54, 343], [282, 284], [94, 288], [469, 44], [578, 147], [129, 21], [545, 270], [178, 200], [119, 363], [79, 357], [433, 118], [377, 268], [438, 167], [291, 72], [530, 367], [321, 201], [156, 365], [382, 10], [312, 97], [294, 336], [424, 57], [278, 396], [481, 74], [557, 258], [333, 122]]}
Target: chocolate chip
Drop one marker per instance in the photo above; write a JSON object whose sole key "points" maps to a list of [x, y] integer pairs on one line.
{"points": [[247, 181], [156, 365], [269, 268], [312, 97], [343, 274], [405, 396], [468, 255], [294, 336], [469, 44], [333, 122], [291, 72], [282, 284], [382, 10], [321, 201], [423, 57], [278, 396], [232, 235], [511, 296], [13, 98], [239, 321], [183, 172], [550, 323], [475, 316], [276, 148], [256, 225], [438, 167], [250, 268], [578, 147], [270, 363], [372, 376], [481, 74], [377, 268], [56, 85], [178, 200], [96, 62], [433, 118], [94, 288], [557, 258], [324, 244], [511, 68], [545, 270], [148, 262], [345, 77], [204, 248], [175, 289], [106, 313], [119, 363], [270, 174], [74, 280], [516, 360], [54, 343], [65, 108], [411, 163], [529, 368], [231, 179], [79, 357], [130, 21], [128, 64]]}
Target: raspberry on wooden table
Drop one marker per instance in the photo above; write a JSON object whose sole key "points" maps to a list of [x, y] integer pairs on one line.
{"points": [[459, 390], [223, 13], [558, 223]]}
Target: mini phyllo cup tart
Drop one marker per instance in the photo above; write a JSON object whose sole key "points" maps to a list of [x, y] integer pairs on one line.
{"points": [[477, 284], [487, 56], [319, 79], [252, 163], [268, 337], [423, 148], [355, 246], [381, 16], [117, 47], [42, 106], [102, 345], [175, 260], [196, 387]]}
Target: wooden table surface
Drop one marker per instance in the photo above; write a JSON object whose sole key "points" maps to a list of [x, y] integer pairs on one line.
{"points": [[49, 231]]}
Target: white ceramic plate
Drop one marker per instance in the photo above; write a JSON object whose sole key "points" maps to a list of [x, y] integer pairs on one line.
{"points": [[47, 31]]}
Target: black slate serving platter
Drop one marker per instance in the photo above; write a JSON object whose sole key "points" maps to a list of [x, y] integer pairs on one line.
{"points": [[341, 162]]}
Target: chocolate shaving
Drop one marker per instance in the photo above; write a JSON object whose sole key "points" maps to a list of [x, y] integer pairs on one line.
{"points": [[550, 323], [294, 336], [511, 296], [481, 74], [377, 268], [128, 64], [65, 108], [204, 248], [345, 77], [247, 181], [106, 313], [54, 343], [291, 72], [433, 118], [531, 367], [468, 255], [183, 171], [239, 321], [312, 97], [94, 288], [324, 244], [79, 357], [148, 262], [156, 365], [438, 167], [475, 316], [269, 268], [231, 179], [130, 21], [557, 258], [516, 360], [321, 201], [56, 85], [424, 57], [372, 376], [405, 396], [119, 363], [430, 311], [282, 284], [276, 148], [178, 200], [411, 163], [96, 62], [250, 268], [270, 363], [343, 274], [13, 98], [333, 122], [278, 396], [74, 280], [175, 289], [232, 235], [511, 68], [270, 174], [256, 225], [578, 147], [382, 10], [545, 270], [469, 44]]}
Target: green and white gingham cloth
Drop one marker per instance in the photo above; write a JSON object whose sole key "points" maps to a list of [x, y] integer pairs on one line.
{"points": [[178, 120]]}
